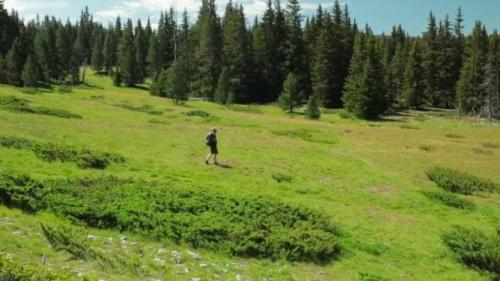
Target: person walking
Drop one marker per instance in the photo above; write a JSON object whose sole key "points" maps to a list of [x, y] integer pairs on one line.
{"points": [[211, 141]]}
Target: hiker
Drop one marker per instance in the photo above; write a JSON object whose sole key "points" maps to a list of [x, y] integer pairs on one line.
{"points": [[211, 141]]}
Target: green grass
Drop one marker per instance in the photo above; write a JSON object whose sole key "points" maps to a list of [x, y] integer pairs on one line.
{"points": [[366, 177]]}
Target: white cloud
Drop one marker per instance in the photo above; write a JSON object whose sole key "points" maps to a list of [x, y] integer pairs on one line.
{"points": [[34, 5]]}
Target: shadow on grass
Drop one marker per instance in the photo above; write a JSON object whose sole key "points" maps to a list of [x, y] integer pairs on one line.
{"points": [[224, 166]]}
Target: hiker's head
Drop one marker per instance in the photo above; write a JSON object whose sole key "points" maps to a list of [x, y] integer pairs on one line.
{"points": [[214, 130]]}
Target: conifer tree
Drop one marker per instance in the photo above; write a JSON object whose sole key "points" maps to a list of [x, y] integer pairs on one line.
{"points": [[223, 87], [109, 52], [208, 50], [127, 56], [177, 82], [31, 72], [141, 45], [237, 54], [117, 78], [291, 97], [154, 59], [364, 96], [77, 60], [280, 38], [395, 78], [323, 67], [97, 53], [491, 83], [312, 110], [430, 60], [296, 54], [64, 46], [414, 86], [2, 69], [14, 62]]}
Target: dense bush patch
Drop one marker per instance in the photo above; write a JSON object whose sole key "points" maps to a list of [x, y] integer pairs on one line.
{"points": [[50, 152], [145, 108], [15, 104], [13, 271], [247, 227], [476, 249], [198, 113], [460, 182], [84, 158], [282, 178], [17, 143], [450, 199], [491, 145], [21, 192], [307, 135]]}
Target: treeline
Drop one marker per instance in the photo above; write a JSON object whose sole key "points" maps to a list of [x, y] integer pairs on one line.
{"points": [[324, 59]]}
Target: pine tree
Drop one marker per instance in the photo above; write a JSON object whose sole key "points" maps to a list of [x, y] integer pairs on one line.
{"points": [[31, 72], [141, 45], [237, 54], [445, 80], [2, 69], [491, 83], [208, 50], [97, 53], [364, 92], [395, 78], [312, 111], [430, 61], [77, 60], [297, 53], [414, 84], [14, 62], [153, 59], [127, 56], [117, 78], [223, 87], [109, 52], [64, 49], [323, 67], [280, 38], [291, 96], [177, 82]]}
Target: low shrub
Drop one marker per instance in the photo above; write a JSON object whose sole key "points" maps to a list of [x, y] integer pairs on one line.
{"points": [[15, 104], [198, 113], [15, 271], [14, 142], [343, 114], [282, 178], [454, 136], [50, 152], [450, 199], [254, 109], [65, 89], [146, 108], [248, 227], [491, 145], [307, 135], [20, 191], [84, 158], [409, 127], [426, 148], [363, 276], [475, 249], [459, 182]]}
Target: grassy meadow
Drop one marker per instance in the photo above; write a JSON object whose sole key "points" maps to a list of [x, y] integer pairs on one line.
{"points": [[368, 177]]}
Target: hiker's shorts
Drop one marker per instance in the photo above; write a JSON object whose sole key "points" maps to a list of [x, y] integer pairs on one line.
{"points": [[214, 150]]}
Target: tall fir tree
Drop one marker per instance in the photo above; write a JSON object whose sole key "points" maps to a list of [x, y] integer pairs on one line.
{"points": [[127, 56], [154, 59], [395, 76], [414, 86], [208, 50], [98, 52], [141, 44], [109, 51], [237, 54], [291, 97], [430, 60], [297, 52], [323, 66], [364, 93], [64, 46], [312, 110], [14, 62], [32, 74]]}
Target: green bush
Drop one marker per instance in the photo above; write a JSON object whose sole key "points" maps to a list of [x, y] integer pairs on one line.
{"points": [[15, 104], [65, 89], [475, 249], [14, 271], [84, 158], [282, 178], [14, 142], [458, 182], [21, 192], [450, 199], [198, 113], [146, 108]]}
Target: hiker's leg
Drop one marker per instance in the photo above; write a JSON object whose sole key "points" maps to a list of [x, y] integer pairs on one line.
{"points": [[215, 158], [208, 157]]}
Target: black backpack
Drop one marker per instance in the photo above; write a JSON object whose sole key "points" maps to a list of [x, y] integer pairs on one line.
{"points": [[210, 139]]}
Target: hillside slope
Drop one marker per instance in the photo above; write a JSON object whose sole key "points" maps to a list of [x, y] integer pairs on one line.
{"points": [[367, 177]]}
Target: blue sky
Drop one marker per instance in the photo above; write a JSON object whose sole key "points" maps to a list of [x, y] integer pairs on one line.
{"points": [[380, 14]]}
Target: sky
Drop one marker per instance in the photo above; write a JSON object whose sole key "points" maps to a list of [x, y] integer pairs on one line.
{"points": [[381, 15]]}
